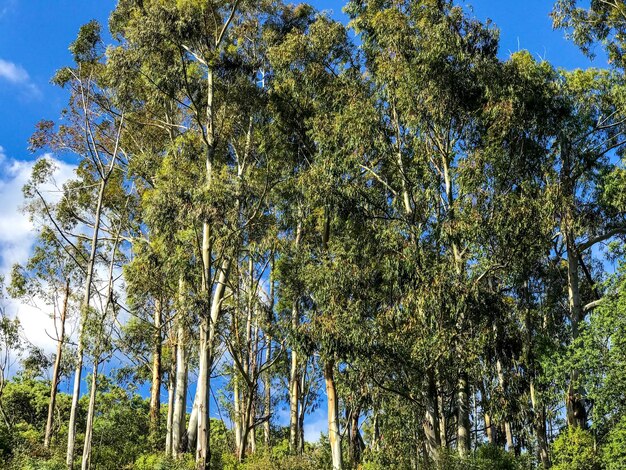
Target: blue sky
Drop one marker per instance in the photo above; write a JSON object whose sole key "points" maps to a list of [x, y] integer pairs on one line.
{"points": [[34, 39]]}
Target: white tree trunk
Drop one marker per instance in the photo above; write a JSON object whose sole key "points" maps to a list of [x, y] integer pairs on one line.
{"points": [[55, 371], [334, 435]]}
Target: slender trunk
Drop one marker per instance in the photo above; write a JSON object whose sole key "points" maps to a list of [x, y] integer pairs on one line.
{"points": [[508, 433], [575, 401], [86, 464], [377, 436], [301, 410], [237, 411], [334, 435], [294, 386], [180, 400], [356, 441], [207, 338], [191, 436], [202, 439], [55, 371], [254, 392], [441, 413], [267, 396], [71, 432], [431, 420], [268, 358], [293, 376], [540, 428], [171, 392], [155, 390], [406, 200], [463, 424]]}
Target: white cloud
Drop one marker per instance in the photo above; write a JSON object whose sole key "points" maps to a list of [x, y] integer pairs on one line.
{"points": [[16, 75], [13, 73], [17, 236], [316, 425]]}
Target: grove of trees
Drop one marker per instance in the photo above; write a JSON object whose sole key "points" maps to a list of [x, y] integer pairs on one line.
{"points": [[274, 212]]}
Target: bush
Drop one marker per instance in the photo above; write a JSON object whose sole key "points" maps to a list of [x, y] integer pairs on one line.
{"points": [[160, 462], [614, 450], [573, 449]]}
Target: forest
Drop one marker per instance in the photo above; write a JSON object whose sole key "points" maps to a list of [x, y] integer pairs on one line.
{"points": [[275, 213]]}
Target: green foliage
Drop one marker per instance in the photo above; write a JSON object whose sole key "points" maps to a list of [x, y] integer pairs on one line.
{"points": [[614, 447], [160, 462], [575, 449]]}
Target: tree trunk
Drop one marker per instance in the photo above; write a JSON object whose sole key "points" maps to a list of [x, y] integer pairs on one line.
{"points": [[540, 428], [431, 420], [294, 398], [86, 464], [575, 402], [207, 337], [191, 436], [508, 433], [155, 390], [237, 412], [334, 435], [301, 411], [268, 358], [463, 424], [180, 399], [267, 396], [441, 413], [55, 371], [202, 439], [294, 386], [71, 432], [356, 441], [171, 392]]}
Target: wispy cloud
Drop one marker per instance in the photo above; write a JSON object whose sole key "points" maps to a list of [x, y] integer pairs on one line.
{"points": [[17, 76], [13, 73]]}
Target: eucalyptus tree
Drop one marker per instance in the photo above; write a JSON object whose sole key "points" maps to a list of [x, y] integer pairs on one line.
{"points": [[312, 66], [52, 274], [430, 65], [92, 133], [591, 131]]}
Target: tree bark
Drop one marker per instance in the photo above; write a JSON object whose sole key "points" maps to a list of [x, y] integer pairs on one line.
{"points": [[267, 396], [356, 441], [431, 420], [179, 436], [171, 392], [508, 432], [294, 386], [294, 392], [334, 435], [71, 432], [207, 337], [86, 463], [155, 390], [463, 424], [540, 428], [575, 403], [55, 372]]}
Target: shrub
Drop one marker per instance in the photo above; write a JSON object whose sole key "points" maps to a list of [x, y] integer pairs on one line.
{"points": [[573, 449], [614, 450]]}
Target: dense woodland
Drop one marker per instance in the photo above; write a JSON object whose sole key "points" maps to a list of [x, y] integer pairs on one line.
{"points": [[274, 212]]}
